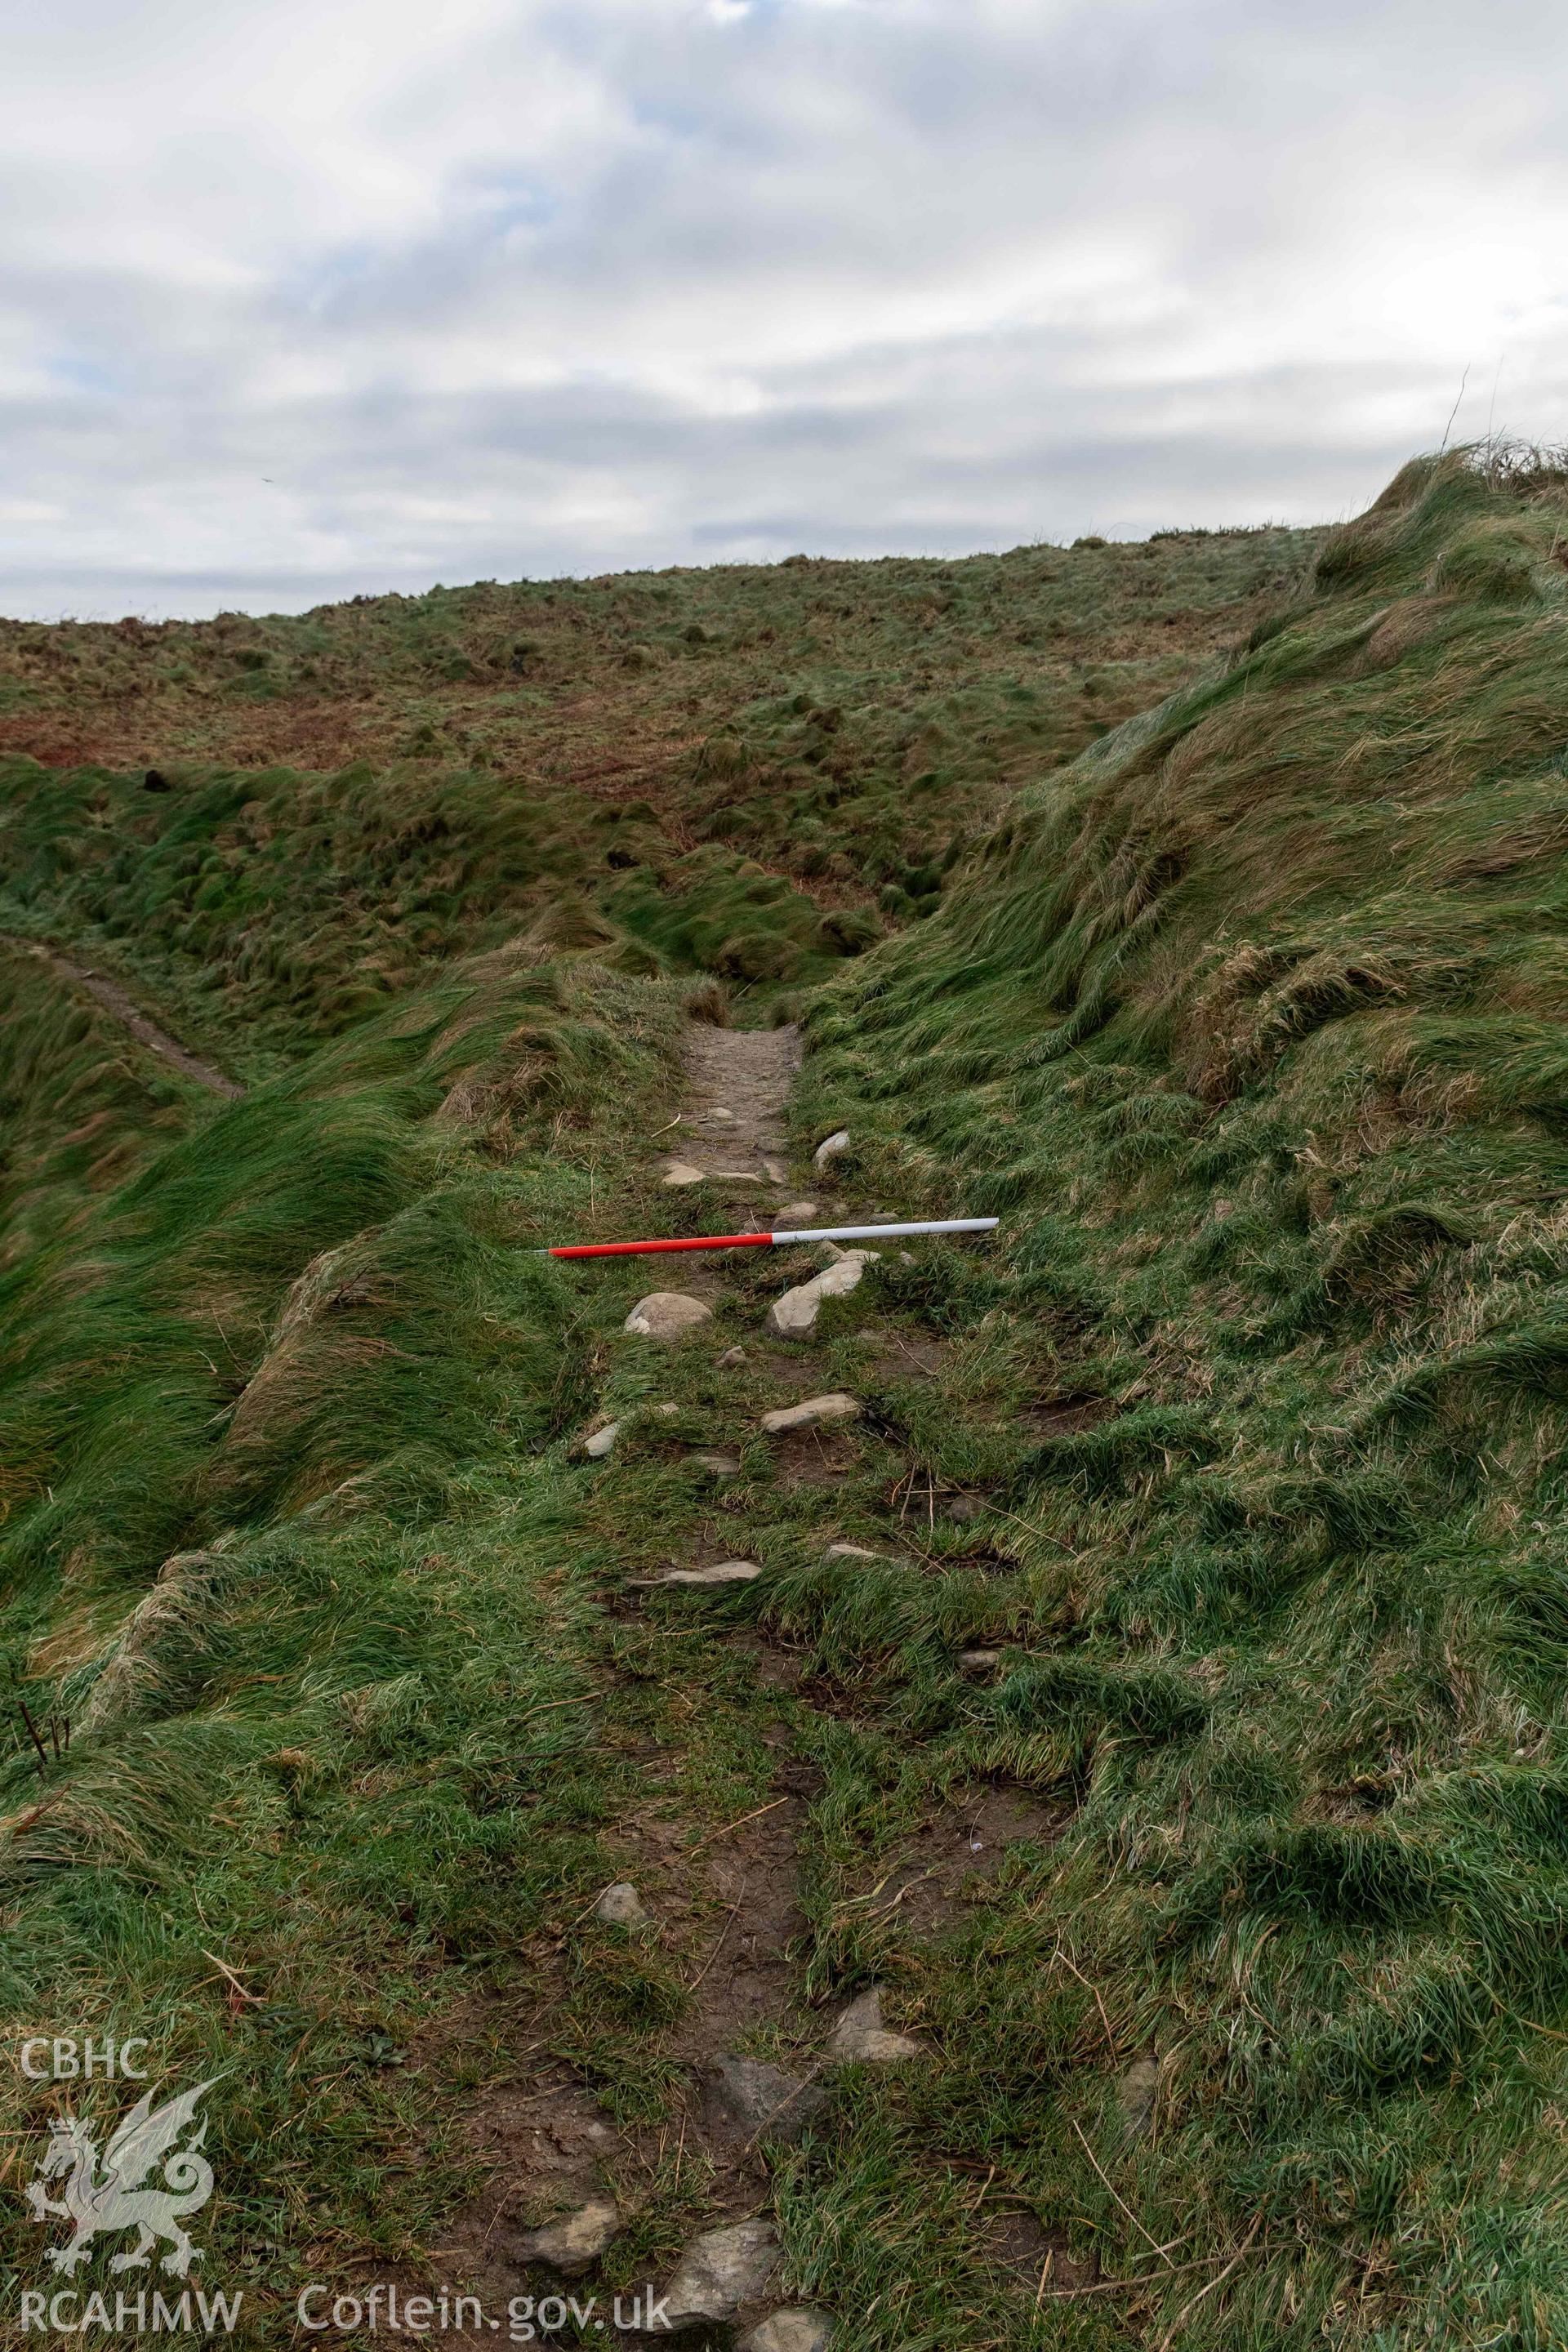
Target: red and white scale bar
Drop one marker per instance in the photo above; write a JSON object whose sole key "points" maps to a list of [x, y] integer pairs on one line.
{"points": [[771, 1240]]}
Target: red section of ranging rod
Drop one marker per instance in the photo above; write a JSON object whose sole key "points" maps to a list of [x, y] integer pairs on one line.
{"points": [[647, 1249]]}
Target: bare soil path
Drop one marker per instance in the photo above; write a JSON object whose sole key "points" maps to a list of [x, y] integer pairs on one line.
{"points": [[738, 1081], [128, 1013]]}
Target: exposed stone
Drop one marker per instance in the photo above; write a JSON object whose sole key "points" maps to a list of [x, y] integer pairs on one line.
{"points": [[621, 1907], [720, 2272], [740, 1176], [836, 1406], [860, 2034], [575, 2242], [664, 1313], [751, 2101], [978, 1662], [849, 1551], [961, 1509], [727, 1571], [775, 1171], [794, 1214], [600, 1442], [724, 1118], [729, 1358], [1136, 2093], [722, 1466], [681, 1171], [795, 1313], [800, 2328], [832, 1147]]}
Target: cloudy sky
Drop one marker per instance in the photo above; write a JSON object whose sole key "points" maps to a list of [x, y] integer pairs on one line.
{"points": [[301, 297]]}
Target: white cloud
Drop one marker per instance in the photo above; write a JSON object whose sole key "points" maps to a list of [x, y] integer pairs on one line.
{"points": [[316, 295]]}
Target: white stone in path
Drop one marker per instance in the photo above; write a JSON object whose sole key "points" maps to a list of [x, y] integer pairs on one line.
{"points": [[575, 2241], [601, 1442], [720, 2272], [800, 2330], [836, 1406], [621, 1907], [832, 1147], [681, 1171], [860, 2034], [664, 1313], [726, 1571], [795, 1313]]}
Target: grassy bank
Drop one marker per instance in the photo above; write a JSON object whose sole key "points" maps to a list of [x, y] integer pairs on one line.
{"points": [[753, 768], [1252, 1031]]}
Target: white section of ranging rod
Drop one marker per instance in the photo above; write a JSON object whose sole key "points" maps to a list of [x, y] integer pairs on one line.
{"points": [[891, 1232]]}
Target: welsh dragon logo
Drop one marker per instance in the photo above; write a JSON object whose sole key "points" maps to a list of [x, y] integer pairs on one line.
{"points": [[114, 2197]]}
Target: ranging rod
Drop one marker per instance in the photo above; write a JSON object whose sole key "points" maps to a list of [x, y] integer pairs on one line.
{"points": [[773, 1241]]}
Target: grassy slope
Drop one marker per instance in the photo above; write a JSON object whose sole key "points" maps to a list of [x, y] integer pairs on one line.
{"points": [[747, 769], [1249, 1025], [1254, 1032]]}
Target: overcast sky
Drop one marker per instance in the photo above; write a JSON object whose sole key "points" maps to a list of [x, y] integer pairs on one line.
{"points": [[302, 298]]}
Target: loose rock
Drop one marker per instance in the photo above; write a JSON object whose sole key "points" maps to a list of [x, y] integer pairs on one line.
{"points": [[601, 1442], [720, 2270], [575, 2242], [836, 1406], [849, 1551], [794, 1214], [681, 1171], [860, 2034], [1136, 2093], [832, 1147], [978, 1662], [775, 1171], [795, 1313], [751, 2100], [799, 2329], [621, 1907], [729, 1358], [663, 1314], [727, 1571], [722, 1466]]}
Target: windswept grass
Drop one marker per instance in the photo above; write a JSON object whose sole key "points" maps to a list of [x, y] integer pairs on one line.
{"points": [[1251, 1026]]}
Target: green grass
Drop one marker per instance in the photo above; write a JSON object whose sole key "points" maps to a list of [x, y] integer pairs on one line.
{"points": [[1247, 1023]]}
